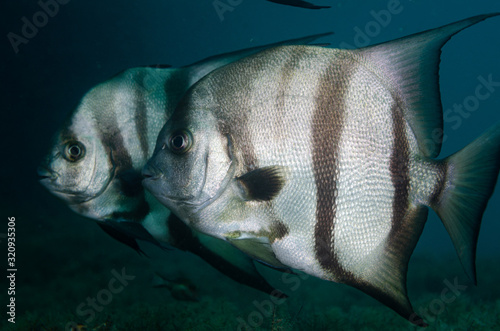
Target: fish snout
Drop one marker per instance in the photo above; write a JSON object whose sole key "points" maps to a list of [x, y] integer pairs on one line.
{"points": [[150, 172], [45, 173]]}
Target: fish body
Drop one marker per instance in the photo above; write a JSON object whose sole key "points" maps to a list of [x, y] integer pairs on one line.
{"points": [[96, 161], [323, 160]]}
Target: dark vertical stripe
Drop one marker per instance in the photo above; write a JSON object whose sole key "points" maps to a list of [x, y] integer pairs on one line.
{"points": [[240, 91], [286, 75], [328, 120], [399, 168], [407, 225], [112, 139], [136, 207], [258, 67], [140, 115], [138, 213]]}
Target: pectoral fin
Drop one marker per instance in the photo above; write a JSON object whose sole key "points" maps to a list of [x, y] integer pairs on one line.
{"points": [[262, 184]]}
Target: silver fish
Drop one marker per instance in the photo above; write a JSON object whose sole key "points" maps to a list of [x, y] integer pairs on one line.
{"points": [[97, 156], [323, 160]]}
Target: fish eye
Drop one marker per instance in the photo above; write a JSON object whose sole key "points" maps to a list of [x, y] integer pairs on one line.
{"points": [[74, 151], [180, 141]]}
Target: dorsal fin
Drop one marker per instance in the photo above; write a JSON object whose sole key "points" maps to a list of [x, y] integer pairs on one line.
{"points": [[203, 67], [411, 66]]}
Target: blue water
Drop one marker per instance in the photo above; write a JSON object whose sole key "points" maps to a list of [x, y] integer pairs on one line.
{"points": [[86, 42]]}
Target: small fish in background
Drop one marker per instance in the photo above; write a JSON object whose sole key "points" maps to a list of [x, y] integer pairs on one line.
{"points": [[298, 3], [96, 161], [78, 327], [324, 160], [181, 288]]}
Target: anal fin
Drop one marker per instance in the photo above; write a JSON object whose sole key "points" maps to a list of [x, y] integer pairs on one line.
{"points": [[384, 275]]}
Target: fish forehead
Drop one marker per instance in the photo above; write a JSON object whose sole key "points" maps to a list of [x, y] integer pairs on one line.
{"points": [[133, 105]]}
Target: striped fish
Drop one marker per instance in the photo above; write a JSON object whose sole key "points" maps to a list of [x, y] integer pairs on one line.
{"points": [[97, 157], [323, 160]]}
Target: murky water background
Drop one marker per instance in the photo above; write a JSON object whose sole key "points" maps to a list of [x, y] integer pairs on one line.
{"points": [[63, 259]]}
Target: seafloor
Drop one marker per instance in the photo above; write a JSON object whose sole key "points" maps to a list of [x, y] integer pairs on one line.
{"points": [[68, 259]]}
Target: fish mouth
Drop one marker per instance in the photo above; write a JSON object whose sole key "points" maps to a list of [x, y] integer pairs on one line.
{"points": [[48, 178], [191, 203], [153, 180], [150, 174], [154, 177], [46, 174]]}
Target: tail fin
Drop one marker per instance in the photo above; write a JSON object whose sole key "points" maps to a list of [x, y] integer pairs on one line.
{"points": [[471, 177]]}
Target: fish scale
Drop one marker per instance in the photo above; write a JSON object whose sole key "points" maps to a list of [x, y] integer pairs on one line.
{"points": [[113, 132], [328, 161], [363, 217]]}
